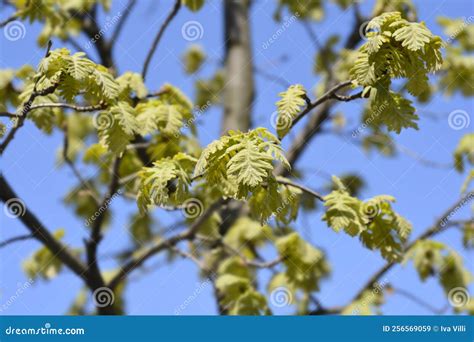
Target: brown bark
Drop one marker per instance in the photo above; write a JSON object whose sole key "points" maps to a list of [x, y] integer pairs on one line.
{"points": [[239, 87]]}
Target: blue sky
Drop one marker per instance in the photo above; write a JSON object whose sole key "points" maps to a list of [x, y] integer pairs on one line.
{"points": [[422, 193]]}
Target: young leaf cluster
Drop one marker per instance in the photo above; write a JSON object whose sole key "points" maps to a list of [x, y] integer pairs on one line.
{"points": [[288, 107], [166, 182], [374, 221], [43, 262], [435, 259], [305, 264], [166, 114], [396, 48], [244, 160], [464, 152], [234, 283]]}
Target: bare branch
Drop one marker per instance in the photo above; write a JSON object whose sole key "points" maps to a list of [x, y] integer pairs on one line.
{"points": [[74, 169], [92, 30], [8, 20], [161, 31], [415, 155], [245, 260], [143, 256], [315, 122], [70, 106], [312, 35], [301, 187], [419, 301], [347, 98], [9, 115], [121, 23], [16, 239], [271, 77], [27, 107], [77, 46], [400, 148], [439, 226], [311, 128], [328, 95], [190, 257], [96, 233], [39, 231]]}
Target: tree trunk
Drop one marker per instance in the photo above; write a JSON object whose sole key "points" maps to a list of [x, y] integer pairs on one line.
{"points": [[239, 87], [238, 92]]}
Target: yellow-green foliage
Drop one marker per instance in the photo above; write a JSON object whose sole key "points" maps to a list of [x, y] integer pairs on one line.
{"points": [[305, 265], [464, 152], [374, 221], [288, 107], [432, 258], [396, 48], [167, 182]]}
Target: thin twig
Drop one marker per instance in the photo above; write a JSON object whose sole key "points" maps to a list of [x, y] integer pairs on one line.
{"points": [[76, 172], [128, 178], [312, 35], [245, 260], [314, 124], [27, 107], [440, 225], [143, 256], [16, 239], [42, 234], [419, 301], [121, 23], [161, 31], [272, 77], [70, 106], [325, 97], [9, 115], [301, 187], [77, 46], [95, 34], [398, 147], [347, 98], [191, 257], [8, 20]]}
